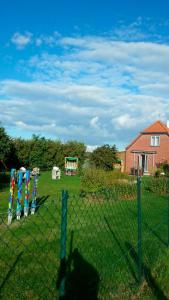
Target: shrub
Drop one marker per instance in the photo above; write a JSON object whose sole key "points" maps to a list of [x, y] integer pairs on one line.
{"points": [[113, 184], [166, 169], [119, 191], [158, 185], [92, 179], [162, 168], [157, 173]]}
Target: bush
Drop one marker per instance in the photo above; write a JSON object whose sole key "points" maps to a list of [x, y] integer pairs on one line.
{"points": [[119, 191], [166, 169], [162, 168], [112, 184], [92, 180], [157, 185], [157, 173]]}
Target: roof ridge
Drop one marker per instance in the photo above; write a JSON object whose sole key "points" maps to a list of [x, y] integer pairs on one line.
{"points": [[146, 130], [158, 122], [164, 125]]}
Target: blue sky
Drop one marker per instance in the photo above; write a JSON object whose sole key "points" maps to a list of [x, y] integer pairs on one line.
{"points": [[93, 71]]}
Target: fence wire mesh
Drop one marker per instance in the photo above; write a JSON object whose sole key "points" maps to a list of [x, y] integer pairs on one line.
{"points": [[90, 248], [28, 253], [104, 247], [155, 228], [101, 228]]}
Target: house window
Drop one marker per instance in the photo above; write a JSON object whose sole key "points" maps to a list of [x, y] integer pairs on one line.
{"points": [[155, 140]]}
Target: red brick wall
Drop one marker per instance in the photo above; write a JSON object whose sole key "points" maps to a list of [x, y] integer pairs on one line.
{"points": [[144, 143]]}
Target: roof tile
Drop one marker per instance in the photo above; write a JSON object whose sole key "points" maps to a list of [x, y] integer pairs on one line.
{"points": [[157, 127]]}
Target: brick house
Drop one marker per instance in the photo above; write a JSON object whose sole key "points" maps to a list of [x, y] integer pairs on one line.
{"points": [[149, 149]]}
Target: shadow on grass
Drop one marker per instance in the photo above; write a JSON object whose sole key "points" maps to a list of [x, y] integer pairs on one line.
{"points": [[12, 269], [147, 226], [153, 285], [81, 279], [4, 181], [154, 232], [40, 201], [123, 251]]}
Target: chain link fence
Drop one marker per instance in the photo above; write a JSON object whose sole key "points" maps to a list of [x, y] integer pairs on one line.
{"points": [[109, 244], [28, 253], [115, 241]]}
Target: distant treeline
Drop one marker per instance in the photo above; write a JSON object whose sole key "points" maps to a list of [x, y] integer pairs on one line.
{"points": [[45, 153], [37, 152]]}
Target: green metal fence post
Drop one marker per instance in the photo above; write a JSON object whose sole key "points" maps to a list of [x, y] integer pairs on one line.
{"points": [[139, 218], [62, 290]]}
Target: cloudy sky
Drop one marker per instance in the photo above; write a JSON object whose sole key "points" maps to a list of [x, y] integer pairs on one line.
{"points": [[95, 71]]}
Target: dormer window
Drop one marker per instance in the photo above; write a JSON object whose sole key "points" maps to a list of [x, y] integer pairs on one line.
{"points": [[155, 141]]}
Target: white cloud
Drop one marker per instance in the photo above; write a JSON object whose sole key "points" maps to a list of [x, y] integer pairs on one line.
{"points": [[95, 89], [90, 148], [125, 121], [49, 40], [94, 122], [21, 40]]}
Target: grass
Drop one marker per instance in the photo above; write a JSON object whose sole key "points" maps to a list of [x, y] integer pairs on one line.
{"points": [[102, 260]]}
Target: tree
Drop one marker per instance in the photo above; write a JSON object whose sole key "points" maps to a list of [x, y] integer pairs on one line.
{"points": [[104, 157], [45, 153], [40, 152], [54, 154], [75, 149], [38, 148], [22, 151], [5, 146]]}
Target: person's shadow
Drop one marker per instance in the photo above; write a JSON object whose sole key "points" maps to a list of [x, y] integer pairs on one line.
{"points": [[83, 280], [80, 277]]}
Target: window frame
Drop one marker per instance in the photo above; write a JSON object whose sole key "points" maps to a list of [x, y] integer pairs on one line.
{"points": [[154, 139]]}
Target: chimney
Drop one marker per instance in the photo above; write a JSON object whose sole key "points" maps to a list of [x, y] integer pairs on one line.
{"points": [[168, 123]]}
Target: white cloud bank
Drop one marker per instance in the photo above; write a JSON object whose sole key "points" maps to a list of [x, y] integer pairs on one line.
{"points": [[96, 89]]}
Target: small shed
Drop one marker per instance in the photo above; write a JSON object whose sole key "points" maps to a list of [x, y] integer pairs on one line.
{"points": [[71, 165]]}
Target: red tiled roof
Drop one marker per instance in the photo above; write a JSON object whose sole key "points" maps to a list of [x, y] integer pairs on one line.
{"points": [[157, 127]]}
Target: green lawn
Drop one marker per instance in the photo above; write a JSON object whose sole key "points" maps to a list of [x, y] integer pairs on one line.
{"points": [[101, 246]]}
